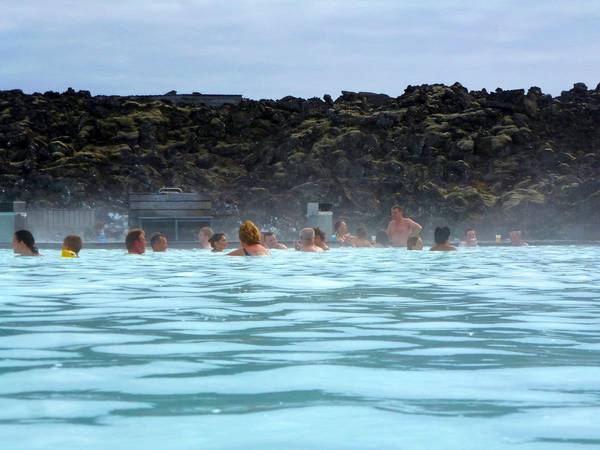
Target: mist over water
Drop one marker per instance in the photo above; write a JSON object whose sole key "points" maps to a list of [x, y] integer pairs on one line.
{"points": [[369, 349]]}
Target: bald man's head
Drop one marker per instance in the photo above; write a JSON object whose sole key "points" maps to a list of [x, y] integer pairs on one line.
{"points": [[307, 236]]}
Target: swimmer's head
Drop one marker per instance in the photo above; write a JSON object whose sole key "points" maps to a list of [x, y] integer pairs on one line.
{"points": [[340, 227], [397, 212], [249, 233], [307, 236], [269, 239], [205, 234], [159, 242], [23, 243], [441, 235], [414, 243], [320, 235], [470, 233], [72, 243], [135, 241], [218, 242]]}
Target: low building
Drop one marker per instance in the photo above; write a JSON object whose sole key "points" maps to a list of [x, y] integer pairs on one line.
{"points": [[179, 215]]}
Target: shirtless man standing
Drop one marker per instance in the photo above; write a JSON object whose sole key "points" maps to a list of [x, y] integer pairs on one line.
{"points": [[401, 228]]}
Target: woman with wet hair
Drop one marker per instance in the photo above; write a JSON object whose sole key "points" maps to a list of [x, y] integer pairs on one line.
{"points": [[218, 242], [250, 241], [23, 244]]}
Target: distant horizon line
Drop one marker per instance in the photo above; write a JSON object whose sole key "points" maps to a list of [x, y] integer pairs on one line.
{"points": [[341, 91]]}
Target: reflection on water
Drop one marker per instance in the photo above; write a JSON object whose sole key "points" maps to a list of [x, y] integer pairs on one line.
{"points": [[493, 347]]}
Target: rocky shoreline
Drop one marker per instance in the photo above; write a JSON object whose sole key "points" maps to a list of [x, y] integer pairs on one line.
{"points": [[494, 160]]}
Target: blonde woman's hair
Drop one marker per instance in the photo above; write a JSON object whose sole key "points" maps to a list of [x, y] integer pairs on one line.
{"points": [[249, 233]]}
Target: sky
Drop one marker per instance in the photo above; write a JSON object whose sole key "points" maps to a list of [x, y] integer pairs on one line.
{"points": [[306, 48]]}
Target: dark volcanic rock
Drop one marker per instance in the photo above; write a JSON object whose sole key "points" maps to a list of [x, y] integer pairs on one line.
{"points": [[504, 159]]}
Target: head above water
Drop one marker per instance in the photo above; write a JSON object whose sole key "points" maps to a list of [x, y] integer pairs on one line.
{"points": [[73, 243], [24, 243], [218, 242], [159, 242], [307, 236], [269, 239], [135, 241], [441, 235], [249, 233], [320, 235], [204, 234], [340, 227], [397, 212], [414, 243]]}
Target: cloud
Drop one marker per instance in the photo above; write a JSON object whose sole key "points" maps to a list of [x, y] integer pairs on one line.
{"points": [[272, 48]]}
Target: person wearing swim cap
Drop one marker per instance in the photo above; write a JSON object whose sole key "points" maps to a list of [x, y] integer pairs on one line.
{"points": [[71, 246]]}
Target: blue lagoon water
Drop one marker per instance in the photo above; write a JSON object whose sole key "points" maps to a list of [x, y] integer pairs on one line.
{"points": [[366, 349]]}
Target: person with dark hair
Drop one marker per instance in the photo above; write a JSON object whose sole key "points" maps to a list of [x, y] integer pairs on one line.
{"points": [[320, 239], [204, 236], [442, 237], [362, 238], [250, 245], [23, 244], [414, 243], [342, 235], [381, 239], [135, 241], [401, 228], [219, 242], [269, 240], [470, 239], [159, 243], [71, 247]]}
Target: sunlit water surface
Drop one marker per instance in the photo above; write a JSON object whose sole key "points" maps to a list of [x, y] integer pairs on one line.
{"points": [[366, 349]]}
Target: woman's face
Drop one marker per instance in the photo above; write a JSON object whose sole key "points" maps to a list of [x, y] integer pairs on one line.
{"points": [[221, 244], [343, 229], [16, 245]]}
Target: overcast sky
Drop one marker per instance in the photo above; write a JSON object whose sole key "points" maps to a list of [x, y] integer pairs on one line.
{"points": [[273, 48]]}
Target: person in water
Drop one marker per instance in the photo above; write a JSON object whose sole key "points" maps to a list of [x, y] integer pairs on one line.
{"points": [[320, 239], [401, 228], [71, 247], [414, 243], [307, 241], [23, 244], [159, 243], [342, 235], [135, 241], [470, 239], [270, 241], [516, 239], [382, 240], [362, 238], [219, 242], [204, 236], [442, 238], [249, 241]]}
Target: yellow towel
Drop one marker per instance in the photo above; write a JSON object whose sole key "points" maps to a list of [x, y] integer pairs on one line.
{"points": [[68, 254]]}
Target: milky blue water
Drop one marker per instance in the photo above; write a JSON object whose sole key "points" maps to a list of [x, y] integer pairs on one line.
{"points": [[366, 349]]}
